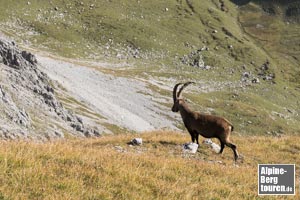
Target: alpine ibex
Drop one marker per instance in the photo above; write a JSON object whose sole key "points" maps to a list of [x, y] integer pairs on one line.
{"points": [[209, 126]]}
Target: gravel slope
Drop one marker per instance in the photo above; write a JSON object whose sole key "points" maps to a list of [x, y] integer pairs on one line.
{"points": [[121, 101]]}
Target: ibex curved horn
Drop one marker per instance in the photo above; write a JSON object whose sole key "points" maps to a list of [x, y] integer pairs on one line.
{"points": [[175, 91], [184, 86]]}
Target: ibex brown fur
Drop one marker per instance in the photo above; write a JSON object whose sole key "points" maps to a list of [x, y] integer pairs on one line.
{"points": [[209, 126]]}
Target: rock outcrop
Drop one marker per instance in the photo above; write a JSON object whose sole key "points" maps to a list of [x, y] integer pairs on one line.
{"points": [[29, 107]]}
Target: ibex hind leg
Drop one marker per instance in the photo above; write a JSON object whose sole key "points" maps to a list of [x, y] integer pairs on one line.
{"points": [[233, 147], [222, 147], [222, 142]]}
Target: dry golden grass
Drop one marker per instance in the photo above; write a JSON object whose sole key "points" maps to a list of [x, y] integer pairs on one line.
{"points": [[108, 168]]}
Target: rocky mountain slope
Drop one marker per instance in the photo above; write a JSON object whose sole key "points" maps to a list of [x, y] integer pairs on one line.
{"points": [[34, 106], [114, 65]]}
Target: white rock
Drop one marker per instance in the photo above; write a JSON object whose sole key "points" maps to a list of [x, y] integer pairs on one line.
{"points": [[137, 141], [190, 147], [213, 145]]}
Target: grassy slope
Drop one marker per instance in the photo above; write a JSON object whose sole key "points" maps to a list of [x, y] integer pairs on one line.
{"points": [[163, 32], [166, 29], [94, 169], [277, 35]]}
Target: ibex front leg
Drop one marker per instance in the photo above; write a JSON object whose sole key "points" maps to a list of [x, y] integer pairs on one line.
{"points": [[194, 136]]}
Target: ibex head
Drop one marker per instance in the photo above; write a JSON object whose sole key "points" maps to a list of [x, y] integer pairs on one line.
{"points": [[177, 96]]}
